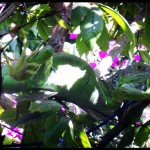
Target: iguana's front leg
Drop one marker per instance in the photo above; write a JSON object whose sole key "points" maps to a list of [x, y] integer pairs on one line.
{"points": [[28, 65]]}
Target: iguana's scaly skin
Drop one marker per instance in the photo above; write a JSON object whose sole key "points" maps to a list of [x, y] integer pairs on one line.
{"points": [[76, 82]]}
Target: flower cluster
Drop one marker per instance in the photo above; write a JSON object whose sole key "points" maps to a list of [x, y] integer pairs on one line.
{"points": [[14, 134], [116, 60]]}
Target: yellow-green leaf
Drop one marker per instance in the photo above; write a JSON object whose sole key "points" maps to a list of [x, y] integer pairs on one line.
{"points": [[63, 23], [122, 22], [84, 140]]}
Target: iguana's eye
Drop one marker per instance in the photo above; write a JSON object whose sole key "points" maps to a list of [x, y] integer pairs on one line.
{"points": [[139, 67]]}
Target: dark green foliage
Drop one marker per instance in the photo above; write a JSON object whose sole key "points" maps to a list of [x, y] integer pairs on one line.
{"points": [[8, 116], [43, 121], [142, 135], [127, 138]]}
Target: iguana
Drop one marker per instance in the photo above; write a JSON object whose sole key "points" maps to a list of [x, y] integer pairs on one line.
{"points": [[75, 81]]}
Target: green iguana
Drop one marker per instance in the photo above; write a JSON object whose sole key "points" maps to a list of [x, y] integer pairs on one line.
{"points": [[75, 81]]}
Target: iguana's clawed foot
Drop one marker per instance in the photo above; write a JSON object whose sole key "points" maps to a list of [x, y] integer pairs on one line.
{"points": [[29, 64], [23, 69], [34, 70]]}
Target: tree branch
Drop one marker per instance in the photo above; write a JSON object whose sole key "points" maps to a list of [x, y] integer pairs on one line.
{"points": [[124, 122], [7, 12]]}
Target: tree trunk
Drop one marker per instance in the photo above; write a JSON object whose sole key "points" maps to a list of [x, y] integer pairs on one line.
{"points": [[59, 33]]}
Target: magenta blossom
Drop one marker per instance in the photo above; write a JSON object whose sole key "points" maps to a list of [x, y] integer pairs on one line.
{"points": [[73, 36], [12, 133], [124, 63], [137, 57], [138, 123], [92, 64], [102, 54], [115, 62], [19, 136]]}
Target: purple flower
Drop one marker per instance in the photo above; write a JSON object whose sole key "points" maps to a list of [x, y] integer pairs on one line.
{"points": [[19, 136], [92, 64], [13, 133], [62, 109], [112, 43], [9, 133], [102, 54], [73, 36], [125, 62], [138, 123], [143, 47], [137, 57], [115, 62]]}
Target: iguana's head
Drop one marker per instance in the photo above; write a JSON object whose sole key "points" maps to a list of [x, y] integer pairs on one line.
{"points": [[137, 69], [135, 73]]}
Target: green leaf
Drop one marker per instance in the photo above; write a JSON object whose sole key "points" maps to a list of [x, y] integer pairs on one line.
{"points": [[1, 110], [28, 26], [123, 24], [54, 131], [78, 14], [69, 140], [43, 106], [62, 23], [84, 139], [82, 119], [44, 30], [145, 56], [103, 40], [91, 27], [3, 27], [142, 136], [34, 131], [23, 106], [105, 17], [136, 111], [21, 19], [29, 117], [145, 41], [37, 9], [8, 116], [81, 45], [7, 140], [18, 18], [127, 139], [51, 21], [44, 7], [79, 135]]}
